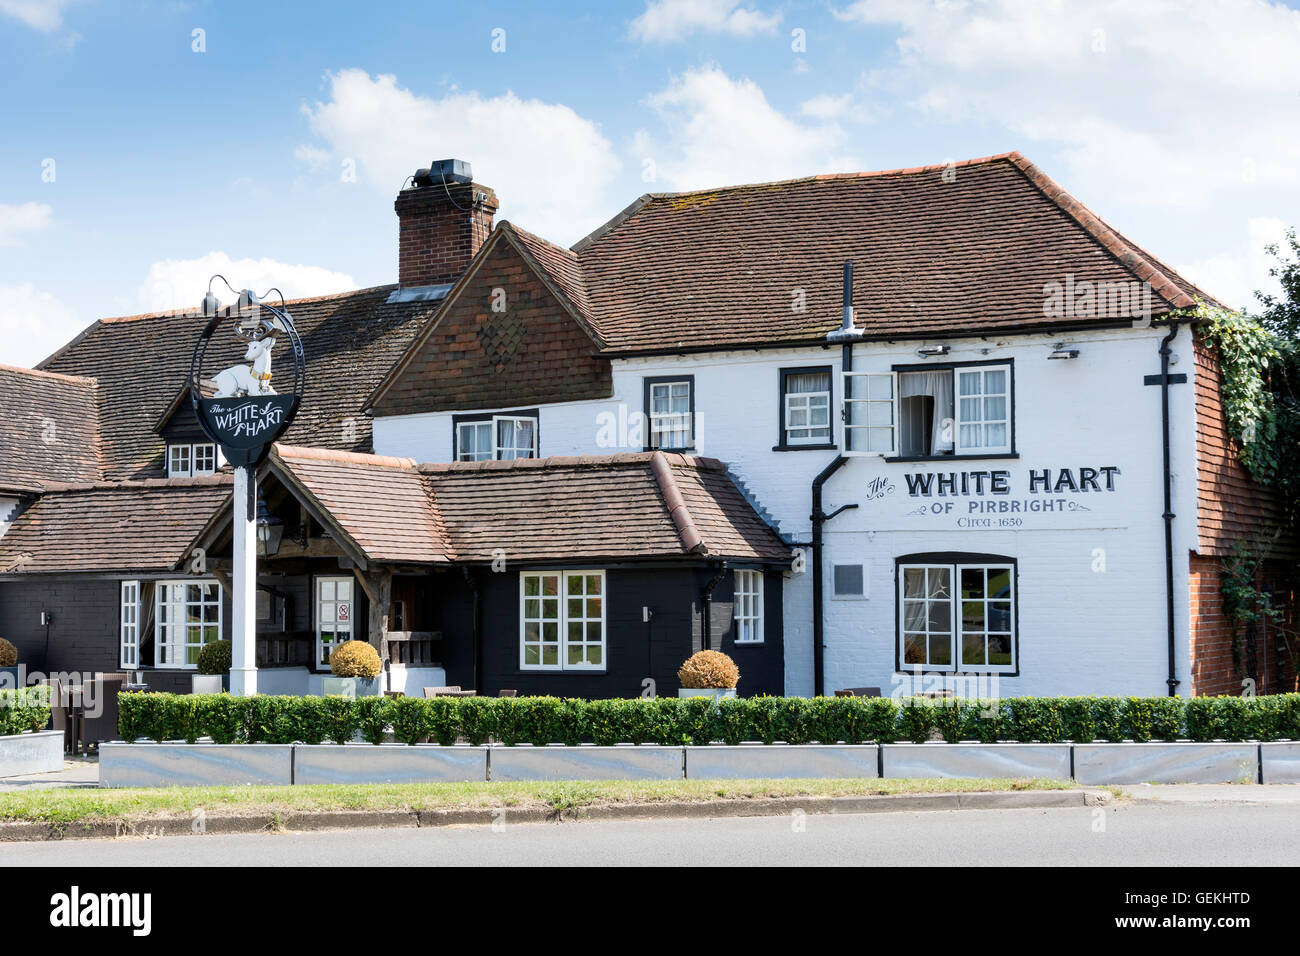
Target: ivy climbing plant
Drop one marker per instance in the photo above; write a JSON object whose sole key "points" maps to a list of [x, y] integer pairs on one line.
{"points": [[1259, 356]]}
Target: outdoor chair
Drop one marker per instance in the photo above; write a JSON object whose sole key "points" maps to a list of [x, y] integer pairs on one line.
{"points": [[507, 693], [103, 694], [858, 692]]}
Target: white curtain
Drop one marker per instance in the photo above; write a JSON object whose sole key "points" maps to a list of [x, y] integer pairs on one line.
{"points": [[938, 385]]}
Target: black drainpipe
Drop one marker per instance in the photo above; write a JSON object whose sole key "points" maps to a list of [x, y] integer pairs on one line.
{"points": [[847, 334], [1165, 352], [476, 627], [706, 608]]}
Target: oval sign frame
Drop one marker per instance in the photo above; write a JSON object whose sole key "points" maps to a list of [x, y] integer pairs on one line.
{"points": [[245, 426]]}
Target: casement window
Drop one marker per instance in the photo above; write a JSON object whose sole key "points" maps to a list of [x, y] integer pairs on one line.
{"points": [[957, 616], [805, 407], [748, 613], [129, 656], [562, 620], [961, 410], [474, 441], [190, 460], [334, 616], [495, 437], [515, 437], [670, 413], [188, 616]]}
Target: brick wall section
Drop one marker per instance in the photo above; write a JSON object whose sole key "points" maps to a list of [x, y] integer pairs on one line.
{"points": [[532, 353], [441, 230], [1231, 507], [1213, 669]]}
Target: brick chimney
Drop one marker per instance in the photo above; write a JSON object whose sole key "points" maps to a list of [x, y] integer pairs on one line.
{"points": [[444, 219]]}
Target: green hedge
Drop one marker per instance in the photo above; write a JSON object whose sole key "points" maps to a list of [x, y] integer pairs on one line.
{"points": [[699, 720], [24, 709]]}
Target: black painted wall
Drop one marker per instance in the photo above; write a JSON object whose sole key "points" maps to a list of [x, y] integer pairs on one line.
{"points": [[84, 636], [634, 650]]}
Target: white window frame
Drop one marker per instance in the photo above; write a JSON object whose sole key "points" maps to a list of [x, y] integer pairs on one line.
{"points": [[478, 452], [747, 607], [685, 419], [164, 627], [498, 448], [334, 601], [955, 619], [129, 626], [562, 620], [190, 466], [792, 401], [865, 404], [958, 421]]}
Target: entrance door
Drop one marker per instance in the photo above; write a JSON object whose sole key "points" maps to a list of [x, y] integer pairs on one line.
{"points": [[334, 613]]}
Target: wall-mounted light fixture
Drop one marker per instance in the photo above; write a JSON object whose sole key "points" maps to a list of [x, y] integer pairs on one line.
{"points": [[928, 351], [1062, 351]]}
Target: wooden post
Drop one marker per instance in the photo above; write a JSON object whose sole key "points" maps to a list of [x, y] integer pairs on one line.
{"points": [[378, 586]]}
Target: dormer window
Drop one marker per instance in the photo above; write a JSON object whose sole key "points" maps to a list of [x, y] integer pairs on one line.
{"points": [[187, 460]]}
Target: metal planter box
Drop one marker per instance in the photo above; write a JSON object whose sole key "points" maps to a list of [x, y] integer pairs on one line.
{"points": [[194, 765], [1166, 763], [975, 760], [645, 762], [758, 761], [40, 752], [1279, 762], [387, 763]]}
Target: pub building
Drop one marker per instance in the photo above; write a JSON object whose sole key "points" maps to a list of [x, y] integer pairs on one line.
{"points": [[938, 428]]}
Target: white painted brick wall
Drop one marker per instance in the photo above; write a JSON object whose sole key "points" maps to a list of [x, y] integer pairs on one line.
{"points": [[1080, 631]]}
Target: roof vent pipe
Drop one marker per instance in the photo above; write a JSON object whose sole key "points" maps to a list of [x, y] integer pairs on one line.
{"points": [[846, 331]]}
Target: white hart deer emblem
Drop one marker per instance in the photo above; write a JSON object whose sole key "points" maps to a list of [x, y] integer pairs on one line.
{"points": [[251, 379]]}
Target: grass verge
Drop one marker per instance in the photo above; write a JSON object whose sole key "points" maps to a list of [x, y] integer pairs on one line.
{"points": [[83, 806]]}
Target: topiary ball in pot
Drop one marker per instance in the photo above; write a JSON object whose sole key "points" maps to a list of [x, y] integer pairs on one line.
{"points": [[214, 658], [8, 654], [709, 669], [355, 659]]}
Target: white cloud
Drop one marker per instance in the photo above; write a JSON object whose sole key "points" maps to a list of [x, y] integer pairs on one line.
{"points": [[1233, 277], [668, 21], [33, 324], [181, 283], [722, 131], [43, 15], [15, 220], [1163, 102], [550, 167]]}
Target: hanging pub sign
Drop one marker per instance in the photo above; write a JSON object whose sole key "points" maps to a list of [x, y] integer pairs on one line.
{"points": [[238, 408]]}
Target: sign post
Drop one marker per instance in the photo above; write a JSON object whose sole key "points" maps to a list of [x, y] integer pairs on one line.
{"points": [[243, 416]]}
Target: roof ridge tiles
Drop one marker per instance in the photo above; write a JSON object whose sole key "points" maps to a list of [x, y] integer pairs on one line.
{"points": [[71, 379], [661, 467], [138, 484], [343, 457]]}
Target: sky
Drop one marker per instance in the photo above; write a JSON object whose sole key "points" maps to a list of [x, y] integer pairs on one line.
{"points": [[145, 144]]}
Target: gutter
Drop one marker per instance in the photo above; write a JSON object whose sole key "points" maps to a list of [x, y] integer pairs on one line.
{"points": [[1168, 515]]}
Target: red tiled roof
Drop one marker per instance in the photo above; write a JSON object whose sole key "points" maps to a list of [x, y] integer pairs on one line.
{"points": [[381, 504], [938, 250], [48, 429], [142, 362], [144, 526], [628, 506]]}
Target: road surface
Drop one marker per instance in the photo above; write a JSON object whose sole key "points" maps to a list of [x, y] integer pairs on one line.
{"points": [[1132, 834]]}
